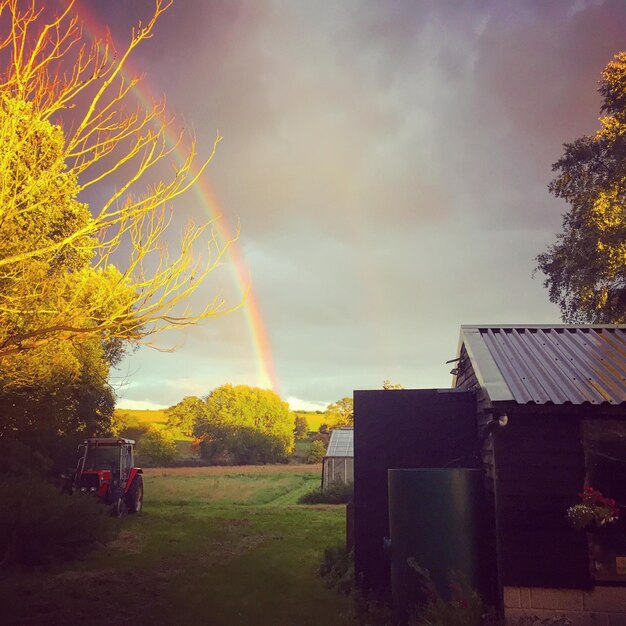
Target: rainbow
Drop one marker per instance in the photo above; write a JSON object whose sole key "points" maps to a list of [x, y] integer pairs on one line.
{"points": [[145, 96]]}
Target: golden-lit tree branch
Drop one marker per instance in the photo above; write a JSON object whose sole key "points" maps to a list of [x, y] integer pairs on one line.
{"points": [[65, 127]]}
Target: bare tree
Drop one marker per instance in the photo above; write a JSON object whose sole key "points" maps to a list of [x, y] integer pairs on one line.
{"points": [[65, 127]]}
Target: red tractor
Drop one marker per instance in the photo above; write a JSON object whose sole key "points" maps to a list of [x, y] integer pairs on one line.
{"points": [[106, 469]]}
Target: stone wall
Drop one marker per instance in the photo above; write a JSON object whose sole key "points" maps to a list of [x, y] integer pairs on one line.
{"points": [[602, 606]]}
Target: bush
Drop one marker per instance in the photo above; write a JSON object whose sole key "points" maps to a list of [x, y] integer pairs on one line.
{"points": [[18, 459], [232, 445], [337, 570], [158, 447], [317, 452], [39, 525], [336, 493], [464, 607]]}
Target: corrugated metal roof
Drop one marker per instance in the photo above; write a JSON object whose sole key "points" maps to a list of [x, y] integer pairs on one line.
{"points": [[549, 364], [341, 442]]}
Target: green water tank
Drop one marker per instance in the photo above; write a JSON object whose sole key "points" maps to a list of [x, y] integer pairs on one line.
{"points": [[436, 518]]}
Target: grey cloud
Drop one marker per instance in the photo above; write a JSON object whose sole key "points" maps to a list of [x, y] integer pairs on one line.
{"points": [[388, 163]]}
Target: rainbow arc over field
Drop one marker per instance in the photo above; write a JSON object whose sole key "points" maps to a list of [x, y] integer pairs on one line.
{"points": [[146, 96]]}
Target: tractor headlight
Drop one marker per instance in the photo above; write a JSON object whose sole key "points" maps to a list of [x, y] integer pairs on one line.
{"points": [[93, 489], [83, 489]]}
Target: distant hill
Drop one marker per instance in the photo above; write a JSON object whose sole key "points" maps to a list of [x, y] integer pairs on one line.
{"points": [[147, 417], [158, 417], [313, 418]]}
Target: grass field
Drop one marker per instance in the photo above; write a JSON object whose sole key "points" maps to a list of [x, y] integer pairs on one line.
{"points": [[313, 420], [147, 417], [222, 546]]}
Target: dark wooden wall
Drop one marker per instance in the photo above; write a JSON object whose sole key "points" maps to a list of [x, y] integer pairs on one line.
{"points": [[539, 464], [466, 380], [534, 467], [401, 429]]}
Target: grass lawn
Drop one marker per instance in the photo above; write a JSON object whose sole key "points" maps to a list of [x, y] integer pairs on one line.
{"points": [[222, 546]]}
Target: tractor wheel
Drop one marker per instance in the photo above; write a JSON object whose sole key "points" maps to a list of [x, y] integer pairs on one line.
{"points": [[119, 508], [134, 497]]}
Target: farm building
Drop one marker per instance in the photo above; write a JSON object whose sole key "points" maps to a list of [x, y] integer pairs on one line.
{"points": [[541, 411], [561, 393], [338, 464]]}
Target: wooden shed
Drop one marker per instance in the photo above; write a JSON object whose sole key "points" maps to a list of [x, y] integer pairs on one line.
{"points": [[551, 413]]}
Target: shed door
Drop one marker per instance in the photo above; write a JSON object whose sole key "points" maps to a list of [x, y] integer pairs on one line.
{"points": [[396, 429]]}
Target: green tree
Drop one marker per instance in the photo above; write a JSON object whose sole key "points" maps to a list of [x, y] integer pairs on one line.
{"points": [[48, 390], [183, 416], [341, 413], [64, 405], [232, 410], [127, 425], [390, 386], [158, 446], [317, 452], [301, 427], [80, 283], [586, 266], [222, 444], [65, 127]]}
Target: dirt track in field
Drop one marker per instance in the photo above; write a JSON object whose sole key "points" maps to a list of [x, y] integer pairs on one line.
{"points": [[232, 469]]}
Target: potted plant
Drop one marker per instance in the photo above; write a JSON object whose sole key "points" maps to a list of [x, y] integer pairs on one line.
{"points": [[593, 512]]}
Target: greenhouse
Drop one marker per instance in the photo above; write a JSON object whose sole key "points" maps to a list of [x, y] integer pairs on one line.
{"points": [[338, 464]]}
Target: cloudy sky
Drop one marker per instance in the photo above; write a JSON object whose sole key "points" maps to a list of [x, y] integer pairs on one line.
{"points": [[387, 162]]}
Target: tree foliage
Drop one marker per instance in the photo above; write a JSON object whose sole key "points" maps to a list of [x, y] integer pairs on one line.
{"points": [[586, 266], [157, 446], [70, 400], [66, 128], [79, 282], [128, 425], [391, 386], [239, 419], [317, 452], [224, 444], [301, 427], [341, 413], [183, 416]]}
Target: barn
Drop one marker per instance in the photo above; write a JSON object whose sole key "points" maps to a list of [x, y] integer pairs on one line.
{"points": [[541, 411]]}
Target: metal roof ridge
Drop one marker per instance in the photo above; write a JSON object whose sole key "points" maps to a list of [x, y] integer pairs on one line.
{"points": [[546, 326], [548, 364]]}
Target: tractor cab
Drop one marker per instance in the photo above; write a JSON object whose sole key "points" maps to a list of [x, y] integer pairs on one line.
{"points": [[106, 469]]}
